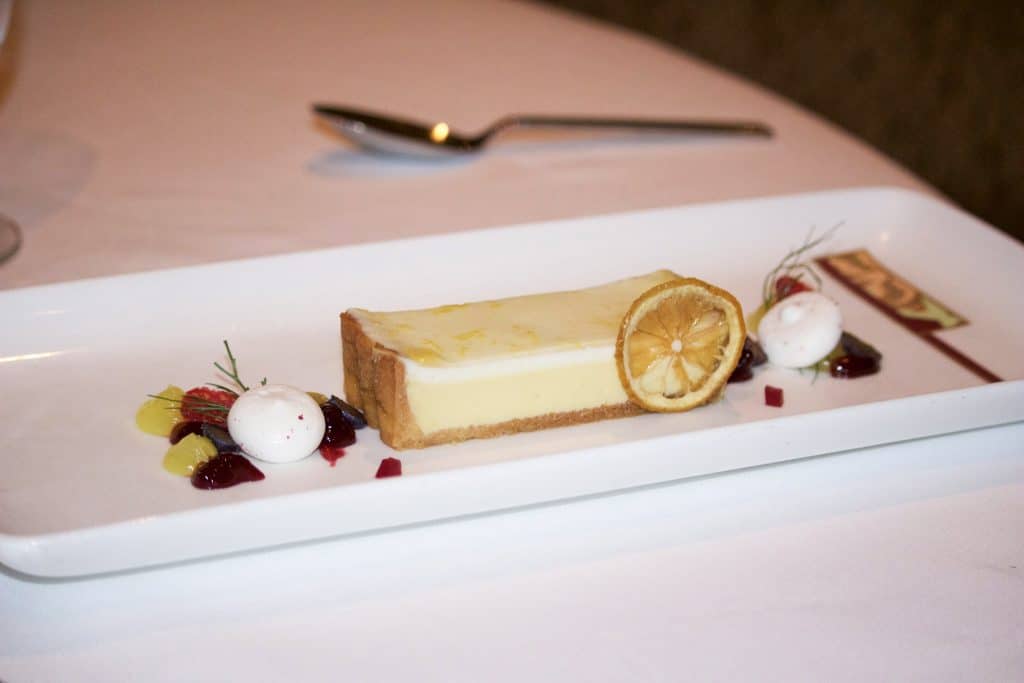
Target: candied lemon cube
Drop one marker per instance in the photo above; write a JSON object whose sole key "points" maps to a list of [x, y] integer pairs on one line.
{"points": [[185, 456], [159, 415]]}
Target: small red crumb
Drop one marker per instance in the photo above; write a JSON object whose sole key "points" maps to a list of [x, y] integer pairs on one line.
{"points": [[389, 467], [301, 417], [332, 454], [772, 396]]}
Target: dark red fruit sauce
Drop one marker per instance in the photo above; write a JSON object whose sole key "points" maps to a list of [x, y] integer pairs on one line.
{"points": [[860, 359], [225, 470], [332, 454], [850, 367], [354, 416], [751, 356], [338, 433], [183, 429]]}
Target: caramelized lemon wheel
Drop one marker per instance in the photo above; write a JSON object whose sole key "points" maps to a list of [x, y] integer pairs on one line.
{"points": [[678, 344]]}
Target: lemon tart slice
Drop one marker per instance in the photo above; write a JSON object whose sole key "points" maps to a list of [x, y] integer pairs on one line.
{"points": [[481, 369]]}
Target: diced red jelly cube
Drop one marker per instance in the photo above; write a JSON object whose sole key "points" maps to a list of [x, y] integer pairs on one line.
{"points": [[389, 467], [772, 396]]}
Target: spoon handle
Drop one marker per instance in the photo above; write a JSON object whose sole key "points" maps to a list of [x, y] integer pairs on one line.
{"points": [[715, 127]]}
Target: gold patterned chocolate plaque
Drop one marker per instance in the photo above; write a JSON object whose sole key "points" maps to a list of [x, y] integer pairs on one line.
{"points": [[901, 300]]}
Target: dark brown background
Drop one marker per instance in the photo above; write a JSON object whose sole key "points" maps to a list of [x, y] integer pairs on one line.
{"points": [[938, 86]]}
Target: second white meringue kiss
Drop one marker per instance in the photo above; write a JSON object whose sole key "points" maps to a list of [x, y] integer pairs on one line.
{"points": [[800, 330]]}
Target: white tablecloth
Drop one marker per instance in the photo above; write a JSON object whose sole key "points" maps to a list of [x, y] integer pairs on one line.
{"points": [[145, 135]]}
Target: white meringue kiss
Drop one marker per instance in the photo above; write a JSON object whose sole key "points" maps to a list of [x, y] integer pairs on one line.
{"points": [[276, 423], [800, 330]]}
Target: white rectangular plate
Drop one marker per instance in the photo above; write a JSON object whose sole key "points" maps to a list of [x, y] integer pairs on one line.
{"points": [[83, 492]]}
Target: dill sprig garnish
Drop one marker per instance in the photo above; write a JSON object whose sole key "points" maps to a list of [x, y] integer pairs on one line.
{"points": [[196, 403], [793, 265], [205, 406], [233, 373], [222, 388]]}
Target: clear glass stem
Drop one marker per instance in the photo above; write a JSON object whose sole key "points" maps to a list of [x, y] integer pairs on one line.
{"points": [[10, 238]]}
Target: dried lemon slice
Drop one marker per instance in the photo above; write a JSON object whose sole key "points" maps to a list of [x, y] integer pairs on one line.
{"points": [[678, 344]]}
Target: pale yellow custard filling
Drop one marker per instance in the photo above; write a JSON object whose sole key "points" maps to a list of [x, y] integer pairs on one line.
{"points": [[494, 398], [489, 362]]}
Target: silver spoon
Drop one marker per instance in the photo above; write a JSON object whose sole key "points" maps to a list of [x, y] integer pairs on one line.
{"points": [[391, 135]]}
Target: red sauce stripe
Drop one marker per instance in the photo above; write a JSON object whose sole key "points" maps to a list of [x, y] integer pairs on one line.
{"points": [[909, 324]]}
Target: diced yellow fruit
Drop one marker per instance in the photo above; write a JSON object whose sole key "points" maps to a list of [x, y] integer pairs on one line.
{"points": [[318, 397], [754, 320], [185, 456], [159, 415]]}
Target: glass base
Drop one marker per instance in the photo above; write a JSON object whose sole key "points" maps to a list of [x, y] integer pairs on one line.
{"points": [[10, 237]]}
